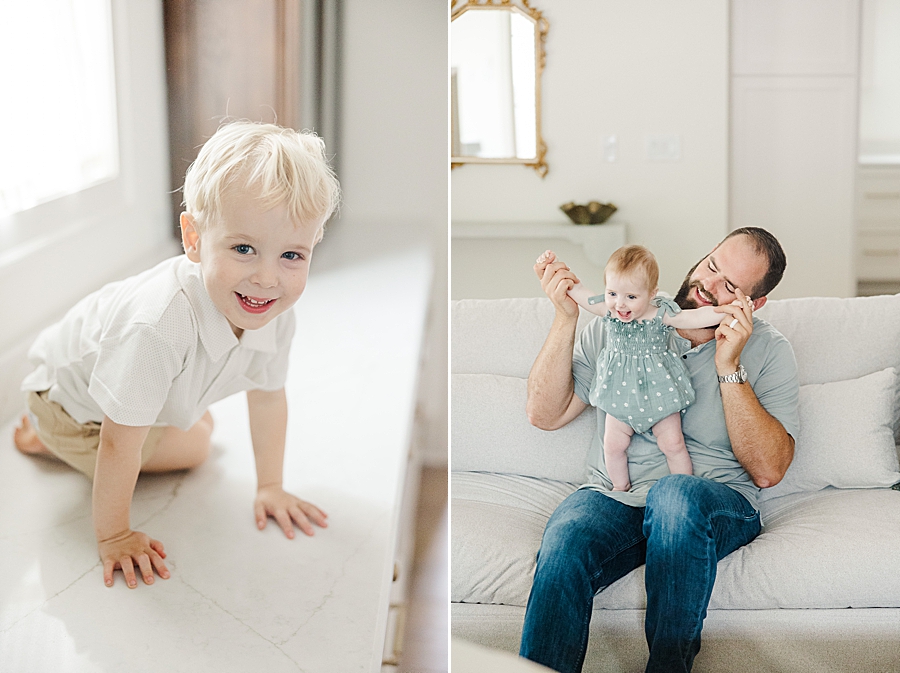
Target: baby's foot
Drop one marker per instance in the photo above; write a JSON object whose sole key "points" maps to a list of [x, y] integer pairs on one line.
{"points": [[27, 441]]}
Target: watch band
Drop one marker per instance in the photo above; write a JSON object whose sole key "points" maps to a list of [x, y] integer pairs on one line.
{"points": [[740, 376]]}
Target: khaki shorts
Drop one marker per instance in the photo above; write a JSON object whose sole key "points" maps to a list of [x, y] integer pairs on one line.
{"points": [[72, 442]]}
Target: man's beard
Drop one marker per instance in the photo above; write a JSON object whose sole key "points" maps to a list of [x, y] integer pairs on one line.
{"points": [[683, 298]]}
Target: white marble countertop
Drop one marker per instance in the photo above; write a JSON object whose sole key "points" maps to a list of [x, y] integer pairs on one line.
{"points": [[239, 599]]}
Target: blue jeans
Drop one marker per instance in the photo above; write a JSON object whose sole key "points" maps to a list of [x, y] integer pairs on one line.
{"points": [[687, 526]]}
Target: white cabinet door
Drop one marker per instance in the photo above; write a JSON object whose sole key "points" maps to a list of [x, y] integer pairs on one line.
{"points": [[794, 103], [795, 37], [793, 158]]}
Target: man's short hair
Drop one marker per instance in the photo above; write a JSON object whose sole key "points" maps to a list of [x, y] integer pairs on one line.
{"points": [[279, 165], [767, 245]]}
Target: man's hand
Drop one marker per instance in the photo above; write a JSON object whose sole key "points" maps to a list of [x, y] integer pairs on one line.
{"points": [[127, 548], [733, 332], [287, 510], [556, 280]]}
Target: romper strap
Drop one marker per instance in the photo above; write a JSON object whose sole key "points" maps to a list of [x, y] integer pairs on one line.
{"points": [[666, 305]]}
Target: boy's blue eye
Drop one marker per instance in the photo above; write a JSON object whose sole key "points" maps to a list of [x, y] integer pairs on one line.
{"points": [[292, 256], [631, 296], [611, 294], [242, 249]]}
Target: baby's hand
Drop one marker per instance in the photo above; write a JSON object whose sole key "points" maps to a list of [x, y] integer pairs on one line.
{"points": [[547, 257], [287, 510], [124, 549]]}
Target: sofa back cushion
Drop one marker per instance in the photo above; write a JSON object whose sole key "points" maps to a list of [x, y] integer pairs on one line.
{"points": [[500, 336], [495, 343], [491, 432], [839, 339]]}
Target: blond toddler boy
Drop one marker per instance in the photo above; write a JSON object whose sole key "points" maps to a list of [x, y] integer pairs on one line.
{"points": [[123, 382]]}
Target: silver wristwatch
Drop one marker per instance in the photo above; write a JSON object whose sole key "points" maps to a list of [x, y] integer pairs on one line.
{"points": [[740, 376]]}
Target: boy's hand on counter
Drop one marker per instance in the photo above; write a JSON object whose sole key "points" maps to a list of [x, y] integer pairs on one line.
{"points": [[287, 510], [130, 548]]}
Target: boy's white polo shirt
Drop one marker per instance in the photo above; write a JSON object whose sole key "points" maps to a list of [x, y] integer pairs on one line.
{"points": [[154, 350]]}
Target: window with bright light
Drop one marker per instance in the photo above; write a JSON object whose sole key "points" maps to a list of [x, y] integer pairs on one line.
{"points": [[58, 132]]}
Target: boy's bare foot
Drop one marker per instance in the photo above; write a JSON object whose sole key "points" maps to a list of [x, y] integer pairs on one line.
{"points": [[27, 441]]}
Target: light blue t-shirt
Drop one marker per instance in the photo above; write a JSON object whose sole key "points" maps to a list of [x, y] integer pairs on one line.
{"points": [[771, 370]]}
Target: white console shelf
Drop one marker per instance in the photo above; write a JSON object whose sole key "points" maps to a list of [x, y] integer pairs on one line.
{"points": [[598, 240], [492, 260]]}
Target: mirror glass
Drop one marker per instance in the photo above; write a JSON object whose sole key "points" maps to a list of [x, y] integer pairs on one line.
{"points": [[495, 67]]}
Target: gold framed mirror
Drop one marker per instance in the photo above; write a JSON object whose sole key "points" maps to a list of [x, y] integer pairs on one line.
{"points": [[497, 57]]}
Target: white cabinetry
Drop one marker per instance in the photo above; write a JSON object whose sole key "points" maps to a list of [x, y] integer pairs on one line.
{"points": [[793, 135], [878, 223]]}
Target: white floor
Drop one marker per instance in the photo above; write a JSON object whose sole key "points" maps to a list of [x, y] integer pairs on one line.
{"points": [[238, 599]]}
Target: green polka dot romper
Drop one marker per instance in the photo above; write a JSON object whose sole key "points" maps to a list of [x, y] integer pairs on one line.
{"points": [[639, 380]]}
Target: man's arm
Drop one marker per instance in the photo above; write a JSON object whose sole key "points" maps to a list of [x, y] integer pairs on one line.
{"points": [[758, 439], [268, 429], [118, 465], [552, 402]]}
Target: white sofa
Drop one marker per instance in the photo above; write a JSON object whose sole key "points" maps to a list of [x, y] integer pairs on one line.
{"points": [[818, 590]]}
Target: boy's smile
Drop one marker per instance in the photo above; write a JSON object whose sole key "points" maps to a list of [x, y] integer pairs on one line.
{"points": [[255, 260], [254, 304]]}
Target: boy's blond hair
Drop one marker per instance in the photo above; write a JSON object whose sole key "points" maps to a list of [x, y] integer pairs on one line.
{"points": [[636, 262], [279, 164]]}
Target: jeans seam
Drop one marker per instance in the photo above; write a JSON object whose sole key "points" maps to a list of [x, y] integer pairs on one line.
{"points": [[611, 556], [734, 515]]}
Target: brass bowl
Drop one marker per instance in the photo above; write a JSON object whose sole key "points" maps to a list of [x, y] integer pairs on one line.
{"points": [[592, 213]]}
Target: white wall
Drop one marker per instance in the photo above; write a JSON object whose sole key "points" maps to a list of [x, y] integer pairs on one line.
{"points": [[394, 163], [629, 69]]}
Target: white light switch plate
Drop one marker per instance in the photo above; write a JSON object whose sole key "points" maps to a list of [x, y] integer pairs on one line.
{"points": [[664, 148]]}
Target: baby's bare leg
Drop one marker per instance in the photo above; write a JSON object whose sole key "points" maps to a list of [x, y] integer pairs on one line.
{"points": [[27, 441], [180, 450], [670, 440], [616, 440]]}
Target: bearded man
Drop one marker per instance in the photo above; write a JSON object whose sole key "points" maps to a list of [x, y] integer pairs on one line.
{"points": [[740, 435]]}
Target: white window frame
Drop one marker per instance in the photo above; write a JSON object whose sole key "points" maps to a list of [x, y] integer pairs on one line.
{"points": [[57, 252]]}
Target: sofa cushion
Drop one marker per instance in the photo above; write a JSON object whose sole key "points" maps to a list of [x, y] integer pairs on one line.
{"points": [[491, 432], [830, 549], [501, 336], [854, 336], [838, 339], [846, 436], [497, 524]]}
